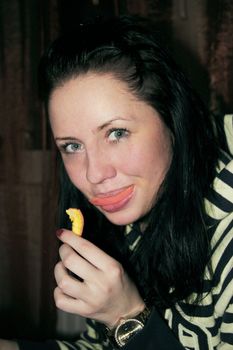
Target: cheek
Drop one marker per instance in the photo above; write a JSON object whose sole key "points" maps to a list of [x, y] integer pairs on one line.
{"points": [[75, 173], [135, 162], [129, 161], [150, 161]]}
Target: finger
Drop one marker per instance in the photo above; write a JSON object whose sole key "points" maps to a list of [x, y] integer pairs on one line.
{"points": [[68, 284], [76, 263], [71, 305], [88, 250]]}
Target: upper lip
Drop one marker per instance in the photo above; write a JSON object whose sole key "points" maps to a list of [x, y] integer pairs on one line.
{"points": [[110, 193]]}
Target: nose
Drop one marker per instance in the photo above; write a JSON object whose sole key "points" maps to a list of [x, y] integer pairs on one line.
{"points": [[99, 167]]}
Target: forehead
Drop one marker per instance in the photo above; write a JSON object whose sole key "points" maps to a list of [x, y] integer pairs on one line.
{"points": [[92, 93], [93, 82]]}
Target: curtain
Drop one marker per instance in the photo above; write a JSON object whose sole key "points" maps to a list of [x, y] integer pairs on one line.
{"points": [[218, 54], [28, 247]]}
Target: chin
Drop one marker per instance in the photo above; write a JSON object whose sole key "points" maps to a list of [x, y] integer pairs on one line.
{"points": [[121, 217]]}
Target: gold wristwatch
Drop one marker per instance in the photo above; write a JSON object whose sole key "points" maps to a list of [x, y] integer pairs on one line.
{"points": [[127, 328]]}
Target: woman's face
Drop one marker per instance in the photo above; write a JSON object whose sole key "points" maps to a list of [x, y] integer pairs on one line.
{"points": [[115, 148]]}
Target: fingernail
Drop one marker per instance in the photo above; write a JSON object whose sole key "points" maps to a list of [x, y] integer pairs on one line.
{"points": [[59, 232]]}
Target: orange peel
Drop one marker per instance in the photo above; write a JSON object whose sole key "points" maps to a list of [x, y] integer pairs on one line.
{"points": [[77, 219]]}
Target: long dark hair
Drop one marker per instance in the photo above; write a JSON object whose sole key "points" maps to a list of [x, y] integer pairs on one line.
{"points": [[169, 262]]}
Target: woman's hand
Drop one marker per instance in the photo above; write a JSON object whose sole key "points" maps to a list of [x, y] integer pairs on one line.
{"points": [[105, 293], [8, 345]]}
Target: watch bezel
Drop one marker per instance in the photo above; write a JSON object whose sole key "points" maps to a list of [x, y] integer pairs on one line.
{"points": [[139, 322], [121, 340]]}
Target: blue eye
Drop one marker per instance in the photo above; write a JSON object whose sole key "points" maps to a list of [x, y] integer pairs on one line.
{"points": [[115, 135], [72, 147]]}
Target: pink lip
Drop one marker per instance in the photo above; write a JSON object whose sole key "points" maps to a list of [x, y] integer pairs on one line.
{"points": [[115, 199], [111, 208]]}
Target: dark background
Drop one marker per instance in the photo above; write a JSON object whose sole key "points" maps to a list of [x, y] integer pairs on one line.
{"points": [[199, 34]]}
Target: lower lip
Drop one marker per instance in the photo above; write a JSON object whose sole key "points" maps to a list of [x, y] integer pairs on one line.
{"points": [[111, 208]]}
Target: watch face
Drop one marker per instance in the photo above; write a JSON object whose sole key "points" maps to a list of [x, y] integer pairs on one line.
{"points": [[126, 330]]}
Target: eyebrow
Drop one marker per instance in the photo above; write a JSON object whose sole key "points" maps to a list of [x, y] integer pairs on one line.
{"points": [[66, 138], [109, 122]]}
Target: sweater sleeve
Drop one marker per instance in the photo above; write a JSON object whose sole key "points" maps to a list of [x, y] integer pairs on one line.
{"points": [[31, 345], [91, 339], [226, 329], [156, 333]]}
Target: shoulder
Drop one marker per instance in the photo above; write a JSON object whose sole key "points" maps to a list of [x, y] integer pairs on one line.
{"points": [[219, 209], [220, 206], [219, 201]]}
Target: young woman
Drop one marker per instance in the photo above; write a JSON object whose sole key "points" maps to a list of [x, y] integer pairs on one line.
{"points": [[141, 158]]}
